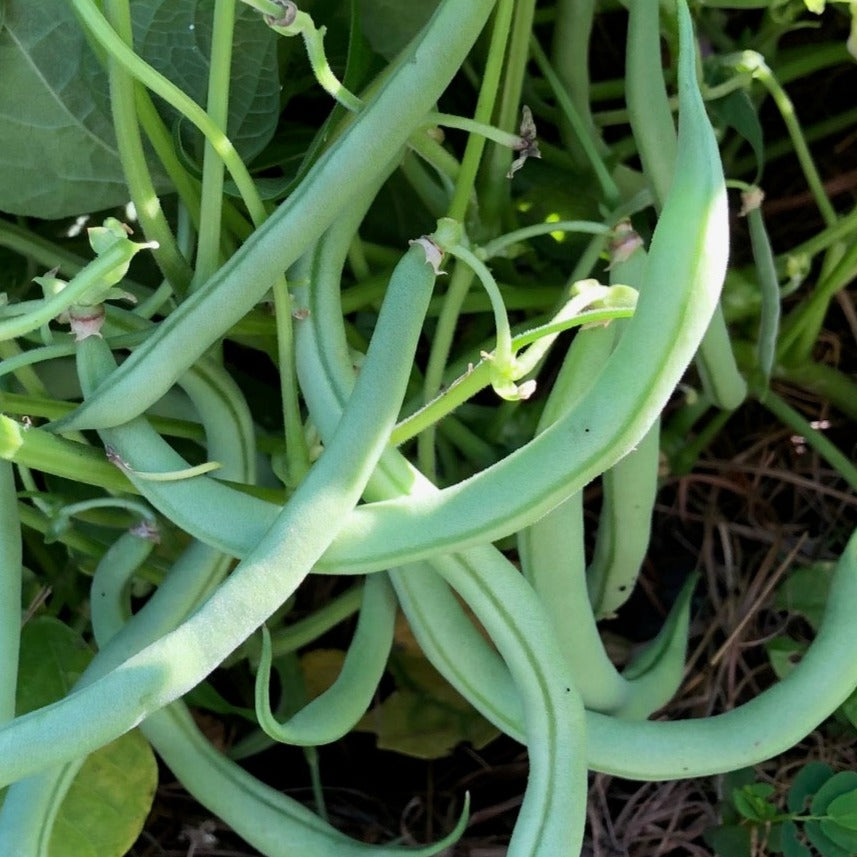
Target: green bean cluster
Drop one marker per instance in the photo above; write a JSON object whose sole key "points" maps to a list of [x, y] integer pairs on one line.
{"points": [[352, 500]]}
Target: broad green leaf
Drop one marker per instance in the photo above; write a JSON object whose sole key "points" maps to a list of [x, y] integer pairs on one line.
{"points": [[844, 836], [729, 841], [390, 24], [843, 810], [789, 842], [174, 36], [108, 802], [839, 784], [425, 717], [53, 657], [59, 153], [808, 780], [823, 843], [753, 802], [805, 591]]}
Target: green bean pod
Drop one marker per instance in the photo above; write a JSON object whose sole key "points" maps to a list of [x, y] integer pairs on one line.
{"points": [[457, 649], [652, 125], [624, 526], [266, 578], [655, 674], [229, 431], [335, 712], [681, 287], [207, 509], [264, 817], [769, 287], [552, 549], [31, 806], [664, 750], [646, 96], [346, 172], [551, 818]]}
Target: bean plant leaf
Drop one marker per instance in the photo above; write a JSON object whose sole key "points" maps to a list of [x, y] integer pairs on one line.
{"points": [[174, 36], [844, 837], [789, 842], [390, 24], [823, 843], [53, 657], [753, 802], [731, 840], [59, 155], [839, 784], [737, 111], [843, 810], [107, 805], [805, 591], [425, 717], [808, 780], [108, 802]]}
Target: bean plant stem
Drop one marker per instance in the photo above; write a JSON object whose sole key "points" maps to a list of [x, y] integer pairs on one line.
{"points": [[132, 155], [217, 107]]}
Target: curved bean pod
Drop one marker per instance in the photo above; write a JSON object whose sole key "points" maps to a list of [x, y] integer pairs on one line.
{"points": [[213, 512], [266, 818], [624, 526], [333, 714], [656, 672], [664, 750], [551, 820], [654, 133], [346, 172], [457, 649], [777, 719], [552, 549], [30, 806], [683, 276], [177, 661], [269, 820]]}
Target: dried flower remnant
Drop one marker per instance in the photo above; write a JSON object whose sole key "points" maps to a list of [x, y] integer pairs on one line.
{"points": [[434, 255], [529, 146]]}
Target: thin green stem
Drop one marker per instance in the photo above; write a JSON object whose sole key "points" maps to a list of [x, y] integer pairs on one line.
{"points": [[133, 157], [217, 106], [495, 189], [754, 63], [813, 437], [447, 322], [484, 108], [570, 60], [586, 140], [124, 56]]}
